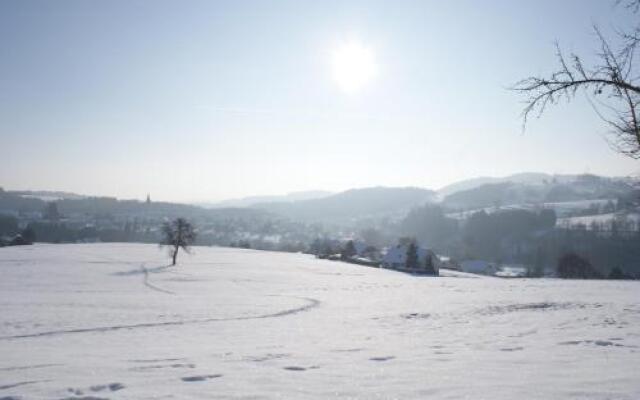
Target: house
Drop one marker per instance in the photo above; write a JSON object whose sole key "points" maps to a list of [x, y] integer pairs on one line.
{"points": [[396, 258], [478, 267], [449, 263], [364, 250], [512, 271]]}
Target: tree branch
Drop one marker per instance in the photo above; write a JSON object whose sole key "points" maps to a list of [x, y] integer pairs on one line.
{"points": [[613, 73]]}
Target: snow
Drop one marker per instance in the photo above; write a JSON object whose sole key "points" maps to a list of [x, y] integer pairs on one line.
{"points": [[605, 219], [562, 208], [478, 267], [112, 321], [511, 271]]}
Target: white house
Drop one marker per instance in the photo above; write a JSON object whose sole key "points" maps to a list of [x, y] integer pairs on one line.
{"points": [[448, 263], [512, 271], [478, 267], [396, 258]]}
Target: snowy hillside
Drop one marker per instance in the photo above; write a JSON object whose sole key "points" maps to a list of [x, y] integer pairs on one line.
{"points": [[251, 200], [354, 204], [468, 184], [558, 189], [110, 321], [601, 219]]}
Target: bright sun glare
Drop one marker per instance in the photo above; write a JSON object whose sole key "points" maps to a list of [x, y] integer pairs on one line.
{"points": [[353, 65]]}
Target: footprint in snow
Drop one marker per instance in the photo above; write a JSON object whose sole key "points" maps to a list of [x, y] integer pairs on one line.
{"points": [[200, 378], [605, 343], [267, 357], [152, 360], [154, 367], [347, 350], [112, 387], [512, 349], [416, 316], [602, 343], [382, 358], [296, 368]]}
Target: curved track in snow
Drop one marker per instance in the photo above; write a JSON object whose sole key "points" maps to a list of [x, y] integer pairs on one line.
{"points": [[150, 285], [310, 304]]}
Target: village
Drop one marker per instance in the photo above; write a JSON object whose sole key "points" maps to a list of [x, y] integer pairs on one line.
{"points": [[410, 257]]}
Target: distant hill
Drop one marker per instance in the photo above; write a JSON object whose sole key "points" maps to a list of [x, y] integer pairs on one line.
{"points": [[17, 202], [249, 201], [559, 188], [468, 184], [524, 189], [353, 204], [47, 195]]}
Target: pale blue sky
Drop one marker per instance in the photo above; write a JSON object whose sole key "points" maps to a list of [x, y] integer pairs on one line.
{"points": [[206, 100]]}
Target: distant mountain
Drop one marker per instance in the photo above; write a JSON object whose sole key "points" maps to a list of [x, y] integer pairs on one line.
{"points": [[34, 202], [48, 195], [467, 184], [353, 204], [249, 201], [531, 190]]}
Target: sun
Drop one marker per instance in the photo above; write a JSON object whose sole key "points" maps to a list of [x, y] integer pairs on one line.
{"points": [[353, 65]]}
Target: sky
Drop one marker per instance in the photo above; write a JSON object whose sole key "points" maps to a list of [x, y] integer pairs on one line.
{"points": [[209, 100]]}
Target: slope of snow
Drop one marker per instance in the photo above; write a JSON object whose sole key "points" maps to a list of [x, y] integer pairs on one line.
{"points": [[605, 219], [112, 321], [561, 208]]}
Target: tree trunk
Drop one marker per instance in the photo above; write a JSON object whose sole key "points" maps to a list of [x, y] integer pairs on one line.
{"points": [[175, 254]]}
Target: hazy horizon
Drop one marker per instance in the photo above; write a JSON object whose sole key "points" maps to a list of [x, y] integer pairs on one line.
{"points": [[319, 191], [207, 101]]}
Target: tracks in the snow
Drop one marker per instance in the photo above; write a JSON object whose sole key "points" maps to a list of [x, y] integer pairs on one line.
{"points": [[310, 304], [151, 285]]}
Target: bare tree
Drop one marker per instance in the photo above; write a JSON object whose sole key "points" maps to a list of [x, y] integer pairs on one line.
{"points": [[177, 234], [611, 84]]}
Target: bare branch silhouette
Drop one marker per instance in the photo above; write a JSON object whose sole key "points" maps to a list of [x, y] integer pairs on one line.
{"points": [[613, 79]]}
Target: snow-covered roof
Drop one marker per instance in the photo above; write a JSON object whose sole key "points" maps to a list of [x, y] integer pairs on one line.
{"points": [[477, 266], [398, 254]]}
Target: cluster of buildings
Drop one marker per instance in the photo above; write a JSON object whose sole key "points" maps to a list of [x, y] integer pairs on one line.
{"points": [[407, 257], [424, 261]]}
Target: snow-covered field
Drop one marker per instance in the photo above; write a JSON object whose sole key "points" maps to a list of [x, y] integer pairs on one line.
{"points": [[562, 208], [111, 321], [605, 219]]}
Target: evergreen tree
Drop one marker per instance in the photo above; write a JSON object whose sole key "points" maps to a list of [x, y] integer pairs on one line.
{"points": [[617, 273], [428, 265], [412, 256], [51, 212], [8, 225], [348, 251], [29, 235], [572, 266]]}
